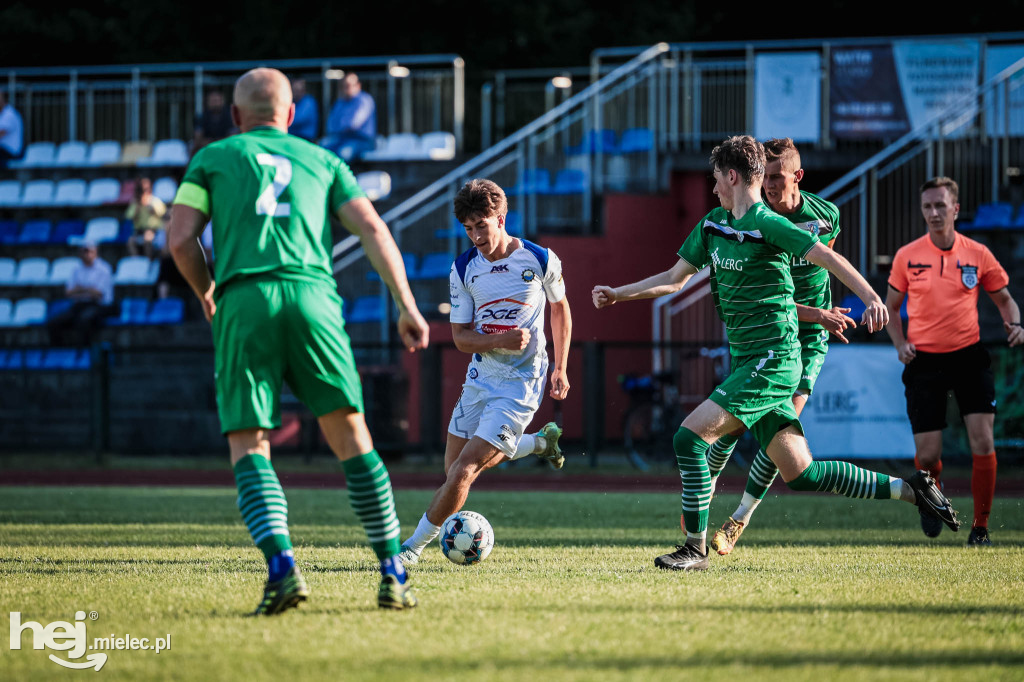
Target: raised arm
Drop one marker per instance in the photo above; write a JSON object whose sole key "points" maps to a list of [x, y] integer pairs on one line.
{"points": [[662, 284], [561, 332], [183, 233], [875, 313], [1010, 313], [360, 218]]}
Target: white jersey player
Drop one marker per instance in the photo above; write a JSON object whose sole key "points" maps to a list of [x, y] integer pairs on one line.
{"points": [[499, 290]]}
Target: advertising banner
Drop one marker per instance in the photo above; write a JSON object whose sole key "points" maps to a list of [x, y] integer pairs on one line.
{"points": [[788, 96]]}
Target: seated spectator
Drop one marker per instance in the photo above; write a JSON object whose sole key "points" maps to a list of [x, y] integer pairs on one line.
{"points": [[352, 125], [215, 123], [91, 285], [147, 214], [11, 141], [307, 113]]}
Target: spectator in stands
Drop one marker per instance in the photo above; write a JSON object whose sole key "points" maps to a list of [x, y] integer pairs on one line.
{"points": [[147, 213], [352, 125], [91, 286], [11, 141], [307, 112], [215, 123]]}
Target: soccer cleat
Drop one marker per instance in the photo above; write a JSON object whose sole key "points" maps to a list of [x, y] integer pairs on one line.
{"points": [[394, 595], [409, 556], [727, 536], [551, 432], [685, 558], [931, 501], [283, 594], [931, 525], [979, 537]]}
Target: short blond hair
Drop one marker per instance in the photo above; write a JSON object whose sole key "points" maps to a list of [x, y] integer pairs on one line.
{"points": [[942, 181], [782, 148]]}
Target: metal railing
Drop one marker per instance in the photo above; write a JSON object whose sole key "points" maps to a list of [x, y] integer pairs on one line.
{"points": [[413, 93], [978, 141], [554, 146]]}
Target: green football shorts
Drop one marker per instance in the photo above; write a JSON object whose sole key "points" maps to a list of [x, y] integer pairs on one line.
{"points": [[813, 348], [268, 330], [759, 392]]}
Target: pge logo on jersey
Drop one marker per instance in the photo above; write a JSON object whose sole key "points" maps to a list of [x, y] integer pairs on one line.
{"points": [[72, 638]]}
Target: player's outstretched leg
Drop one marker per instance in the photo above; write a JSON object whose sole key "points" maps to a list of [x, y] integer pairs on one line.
{"points": [[547, 438], [762, 473], [369, 492], [264, 510], [691, 458]]}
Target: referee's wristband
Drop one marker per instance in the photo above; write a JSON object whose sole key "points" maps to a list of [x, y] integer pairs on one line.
{"points": [[1013, 324]]}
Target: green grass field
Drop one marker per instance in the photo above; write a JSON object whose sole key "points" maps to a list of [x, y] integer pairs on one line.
{"points": [[819, 588]]}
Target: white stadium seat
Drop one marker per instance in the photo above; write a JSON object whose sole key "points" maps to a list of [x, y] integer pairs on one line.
{"points": [[62, 268], [10, 193], [70, 192], [32, 272], [134, 270], [103, 191], [38, 155], [72, 154], [98, 230], [376, 184], [29, 311], [164, 189], [7, 270], [38, 193], [167, 153], [438, 146], [104, 152], [400, 146]]}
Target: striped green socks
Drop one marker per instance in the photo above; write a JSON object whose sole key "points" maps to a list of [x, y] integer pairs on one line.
{"points": [[369, 491], [691, 457], [720, 452], [262, 504], [762, 474], [843, 478]]}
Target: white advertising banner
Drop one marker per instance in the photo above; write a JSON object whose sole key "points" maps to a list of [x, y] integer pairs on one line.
{"points": [[932, 76], [997, 59], [787, 99], [857, 409]]}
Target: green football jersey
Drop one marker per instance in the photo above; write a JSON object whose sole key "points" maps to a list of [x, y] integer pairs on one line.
{"points": [[750, 275], [810, 281], [269, 196]]}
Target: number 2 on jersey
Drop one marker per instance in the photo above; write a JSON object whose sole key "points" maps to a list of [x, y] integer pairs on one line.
{"points": [[266, 203]]}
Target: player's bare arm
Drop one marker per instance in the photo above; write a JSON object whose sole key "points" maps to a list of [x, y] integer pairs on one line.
{"points": [[875, 313], [834, 320], [906, 350], [561, 332], [662, 284], [360, 218], [183, 233], [1010, 312], [469, 340]]}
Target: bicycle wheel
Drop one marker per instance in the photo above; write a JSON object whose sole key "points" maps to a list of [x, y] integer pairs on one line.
{"points": [[637, 434]]}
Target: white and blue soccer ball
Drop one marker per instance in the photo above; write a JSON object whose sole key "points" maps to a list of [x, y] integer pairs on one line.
{"points": [[466, 537]]}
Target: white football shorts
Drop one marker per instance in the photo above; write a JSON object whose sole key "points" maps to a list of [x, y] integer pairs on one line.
{"points": [[497, 410]]}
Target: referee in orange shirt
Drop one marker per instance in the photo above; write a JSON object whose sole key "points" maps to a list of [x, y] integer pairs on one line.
{"points": [[941, 272]]}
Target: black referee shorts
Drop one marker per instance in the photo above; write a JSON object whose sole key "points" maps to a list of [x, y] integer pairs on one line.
{"points": [[930, 376]]}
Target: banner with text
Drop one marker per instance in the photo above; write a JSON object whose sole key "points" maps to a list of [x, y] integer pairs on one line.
{"points": [[857, 409], [788, 96], [885, 91]]}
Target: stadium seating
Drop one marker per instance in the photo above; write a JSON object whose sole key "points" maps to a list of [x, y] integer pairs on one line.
{"points": [[8, 270], [170, 310], [70, 192], [29, 311], [594, 140], [408, 259], [10, 193], [103, 191], [397, 147], [104, 153], [66, 229], [33, 272], [537, 180], [376, 184], [366, 309], [434, 266], [636, 140], [133, 312], [134, 152], [51, 359], [72, 154], [38, 193], [438, 146], [35, 232], [164, 189], [166, 153], [9, 231], [61, 269], [514, 223], [98, 230], [38, 155], [136, 270], [569, 181], [6, 309]]}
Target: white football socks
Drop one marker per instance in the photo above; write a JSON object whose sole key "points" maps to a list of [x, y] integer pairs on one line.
{"points": [[424, 533]]}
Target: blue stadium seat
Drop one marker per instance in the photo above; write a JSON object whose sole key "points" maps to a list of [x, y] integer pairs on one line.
{"points": [[33, 358], [10, 230], [8, 271], [410, 267], [434, 266], [594, 140], [57, 307], [993, 216], [366, 309], [1018, 223], [514, 223], [537, 180], [84, 359], [569, 181], [66, 229], [134, 311], [35, 232], [636, 140], [170, 310], [60, 358], [14, 359], [457, 230]]}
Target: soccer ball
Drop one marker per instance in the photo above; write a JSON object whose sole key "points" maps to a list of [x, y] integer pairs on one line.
{"points": [[466, 537]]}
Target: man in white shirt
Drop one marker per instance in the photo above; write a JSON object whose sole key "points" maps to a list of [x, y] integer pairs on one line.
{"points": [[91, 288], [499, 289], [11, 142]]}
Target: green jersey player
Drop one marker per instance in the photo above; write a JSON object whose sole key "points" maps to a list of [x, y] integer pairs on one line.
{"points": [[276, 316], [813, 296], [749, 249]]}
